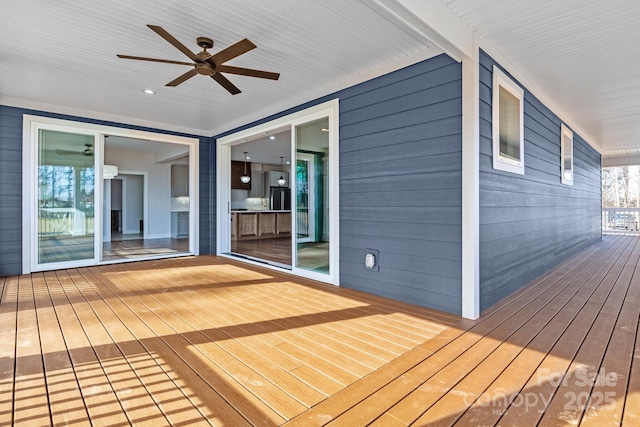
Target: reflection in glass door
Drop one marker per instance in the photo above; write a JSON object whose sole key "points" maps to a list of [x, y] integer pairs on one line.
{"points": [[65, 227], [305, 197], [312, 196]]}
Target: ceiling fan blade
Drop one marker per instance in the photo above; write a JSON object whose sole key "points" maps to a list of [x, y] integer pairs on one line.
{"points": [[140, 58], [247, 72], [225, 83], [168, 37], [182, 78], [243, 46]]}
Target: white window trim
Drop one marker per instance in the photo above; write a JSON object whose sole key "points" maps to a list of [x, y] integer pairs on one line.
{"points": [[565, 131], [500, 79]]}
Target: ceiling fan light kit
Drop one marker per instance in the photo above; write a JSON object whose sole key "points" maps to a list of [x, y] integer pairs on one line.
{"points": [[207, 64]]}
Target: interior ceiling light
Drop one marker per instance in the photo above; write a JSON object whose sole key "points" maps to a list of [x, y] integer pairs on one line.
{"points": [[245, 178], [149, 92], [272, 137], [281, 181], [324, 130]]}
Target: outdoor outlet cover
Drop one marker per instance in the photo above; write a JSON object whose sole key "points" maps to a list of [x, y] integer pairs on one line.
{"points": [[371, 260]]}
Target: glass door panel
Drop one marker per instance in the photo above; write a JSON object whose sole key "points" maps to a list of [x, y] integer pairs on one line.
{"points": [[312, 196], [65, 197], [305, 191]]}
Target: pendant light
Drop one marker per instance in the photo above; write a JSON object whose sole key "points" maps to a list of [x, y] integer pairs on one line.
{"points": [[281, 181], [245, 178]]}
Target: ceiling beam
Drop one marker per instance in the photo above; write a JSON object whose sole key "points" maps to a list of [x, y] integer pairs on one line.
{"points": [[434, 21]]}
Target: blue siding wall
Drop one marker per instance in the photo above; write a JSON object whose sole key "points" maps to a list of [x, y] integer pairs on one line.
{"points": [[10, 191], [11, 183], [530, 223], [401, 183]]}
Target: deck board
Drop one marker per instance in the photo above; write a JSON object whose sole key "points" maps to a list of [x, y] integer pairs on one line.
{"points": [[206, 340]]}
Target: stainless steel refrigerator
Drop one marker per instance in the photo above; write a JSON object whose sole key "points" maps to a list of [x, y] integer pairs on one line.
{"points": [[280, 199]]}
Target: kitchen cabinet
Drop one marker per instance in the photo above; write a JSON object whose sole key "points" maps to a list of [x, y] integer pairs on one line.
{"points": [[284, 223], [267, 224], [179, 224], [257, 185], [237, 169], [260, 225], [179, 180], [246, 225]]}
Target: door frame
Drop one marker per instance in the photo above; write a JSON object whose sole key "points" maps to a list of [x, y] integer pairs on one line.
{"points": [[311, 215], [30, 126], [145, 197], [328, 109]]}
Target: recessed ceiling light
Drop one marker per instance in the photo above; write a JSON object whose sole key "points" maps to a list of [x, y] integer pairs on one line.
{"points": [[272, 137], [288, 163], [324, 130], [148, 91], [248, 157]]}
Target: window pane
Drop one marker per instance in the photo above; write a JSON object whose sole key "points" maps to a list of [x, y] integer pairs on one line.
{"points": [[312, 196], [567, 143], [509, 125], [66, 184]]}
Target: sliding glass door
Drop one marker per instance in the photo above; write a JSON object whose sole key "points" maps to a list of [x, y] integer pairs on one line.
{"points": [[312, 202], [65, 192]]}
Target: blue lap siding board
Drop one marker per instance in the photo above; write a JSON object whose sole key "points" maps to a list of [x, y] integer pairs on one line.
{"points": [[530, 223], [11, 183], [401, 183]]}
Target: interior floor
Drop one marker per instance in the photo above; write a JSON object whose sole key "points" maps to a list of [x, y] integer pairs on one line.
{"points": [[311, 256], [116, 235], [143, 248], [62, 249]]}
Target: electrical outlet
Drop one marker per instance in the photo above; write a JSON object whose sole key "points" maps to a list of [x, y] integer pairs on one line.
{"points": [[372, 260]]}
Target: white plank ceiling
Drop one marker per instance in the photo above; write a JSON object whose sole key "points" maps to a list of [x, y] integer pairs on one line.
{"points": [[63, 53], [583, 55]]}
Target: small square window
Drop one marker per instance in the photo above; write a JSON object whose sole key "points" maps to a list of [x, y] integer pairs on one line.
{"points": [[508, 124], [566, 155]]}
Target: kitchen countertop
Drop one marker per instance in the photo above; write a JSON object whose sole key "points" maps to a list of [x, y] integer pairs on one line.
{"points": [[258, 211]]}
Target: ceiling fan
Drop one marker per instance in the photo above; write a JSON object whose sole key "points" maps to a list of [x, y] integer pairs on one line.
{"points": [[206, 64], [86, 152]]}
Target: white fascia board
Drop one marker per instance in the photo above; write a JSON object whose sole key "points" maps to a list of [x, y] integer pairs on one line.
{"points": [[621, 161]]}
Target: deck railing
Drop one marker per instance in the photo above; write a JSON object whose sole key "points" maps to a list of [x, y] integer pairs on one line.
{"points": [[63, 222], [621, 221]]}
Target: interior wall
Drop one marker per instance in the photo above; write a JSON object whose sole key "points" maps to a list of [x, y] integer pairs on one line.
{"points": [[159, 176], [530, 223], [116, 194], [134, 196]]}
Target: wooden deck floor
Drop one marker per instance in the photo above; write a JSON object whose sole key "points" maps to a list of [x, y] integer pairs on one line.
{"points": [[208, 341]]}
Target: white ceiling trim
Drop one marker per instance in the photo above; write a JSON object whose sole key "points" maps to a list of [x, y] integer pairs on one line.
{"points": [[95, 115]]}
